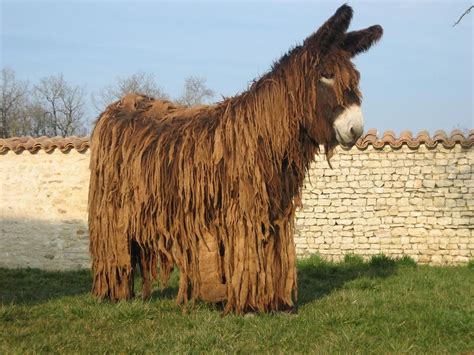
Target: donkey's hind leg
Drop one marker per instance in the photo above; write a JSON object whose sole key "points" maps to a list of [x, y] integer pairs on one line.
{"points": [[144, 258], [146, 264]]}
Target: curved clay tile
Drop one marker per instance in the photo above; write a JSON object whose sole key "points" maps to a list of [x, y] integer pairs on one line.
{"points": [[422, 136], [457, 137], [39, 143], [441, 137], [469, 142], [389, 138], [369, 138], [3, 146], [82, 144], [457, 134], [406, 137], [66, 144], [48, 144], [410, 141]]}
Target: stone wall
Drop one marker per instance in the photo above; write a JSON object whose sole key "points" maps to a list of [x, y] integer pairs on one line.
{"points": [[43, 210], [417, 202], [393, 201]]}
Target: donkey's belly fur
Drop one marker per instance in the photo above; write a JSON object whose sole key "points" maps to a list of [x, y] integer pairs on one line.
{"points": [[213, 287]]}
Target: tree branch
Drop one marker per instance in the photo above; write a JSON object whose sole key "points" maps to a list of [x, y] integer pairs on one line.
{"points": [[465, 13]]}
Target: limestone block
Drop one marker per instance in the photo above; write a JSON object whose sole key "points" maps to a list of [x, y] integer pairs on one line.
{"points": [[439, 201], [464, 169], [416, 201], [463, 232], [450, 203], [391, 201], [428, 184], [398, 220], [345, 222], [310, 221], [417, 232], [426, 170], [372, 164], [405, 240], [399, 231], [354, 184], [461, 259], [448, 232], [324, 202], [444, 221], [461, 221], [366, 183], [300, 222]]}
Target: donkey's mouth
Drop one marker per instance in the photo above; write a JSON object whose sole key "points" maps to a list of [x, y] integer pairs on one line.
{"points": [[346, 144]]}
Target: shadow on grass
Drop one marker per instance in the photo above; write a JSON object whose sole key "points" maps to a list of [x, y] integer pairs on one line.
{"points": [[168, 292], [32, 286], [316, 278]]}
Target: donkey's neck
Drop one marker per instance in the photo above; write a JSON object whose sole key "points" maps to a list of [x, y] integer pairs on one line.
{"points": [[274, 110], [266, 124], [264, 114]]}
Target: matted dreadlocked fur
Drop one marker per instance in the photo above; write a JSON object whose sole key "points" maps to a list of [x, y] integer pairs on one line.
{"points": [[213, 189]]}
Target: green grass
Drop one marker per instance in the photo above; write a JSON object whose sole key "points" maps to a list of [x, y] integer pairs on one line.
{"points": [[379, 306]]}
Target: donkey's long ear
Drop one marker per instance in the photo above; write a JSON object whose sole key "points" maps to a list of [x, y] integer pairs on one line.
{"points": [[332, 32], [356, 42]]}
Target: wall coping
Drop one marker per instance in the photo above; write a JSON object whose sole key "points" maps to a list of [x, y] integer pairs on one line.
{"points": [[82, 144]]}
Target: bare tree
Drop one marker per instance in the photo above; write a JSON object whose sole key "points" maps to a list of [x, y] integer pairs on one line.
{"points": [[195, 92], [13, 96], [39, 120], [137, 83], [62, 106]]}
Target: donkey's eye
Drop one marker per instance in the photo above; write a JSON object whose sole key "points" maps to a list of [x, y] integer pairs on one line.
{"points": [[327, 75], [327, 78]]}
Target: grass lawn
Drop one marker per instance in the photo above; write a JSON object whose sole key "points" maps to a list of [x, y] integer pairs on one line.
{"points": [[381, 306]]}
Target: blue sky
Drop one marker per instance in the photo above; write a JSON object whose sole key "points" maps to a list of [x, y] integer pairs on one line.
{"points": [[420, 76]]}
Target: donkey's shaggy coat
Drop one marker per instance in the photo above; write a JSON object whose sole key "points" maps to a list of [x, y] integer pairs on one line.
{"points": [[213, 189]]}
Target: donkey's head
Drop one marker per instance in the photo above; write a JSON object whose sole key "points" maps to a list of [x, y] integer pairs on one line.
{"points": [[335, 115]]}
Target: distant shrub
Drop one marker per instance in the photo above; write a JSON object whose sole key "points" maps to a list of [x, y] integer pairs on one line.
{"points": [[382, 261], [470, 264], [353, 259], [312, 260], [406, 260]]}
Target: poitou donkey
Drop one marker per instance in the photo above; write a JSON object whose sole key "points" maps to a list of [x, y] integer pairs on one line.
{"points": [[213, 189]]}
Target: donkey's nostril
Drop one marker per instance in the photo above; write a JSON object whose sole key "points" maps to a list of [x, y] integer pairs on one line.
{"points": [[353, 133]]}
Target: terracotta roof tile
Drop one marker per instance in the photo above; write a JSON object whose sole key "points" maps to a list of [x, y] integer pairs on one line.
{"points": [[406, 138], [48, 144], [82, 144]]}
